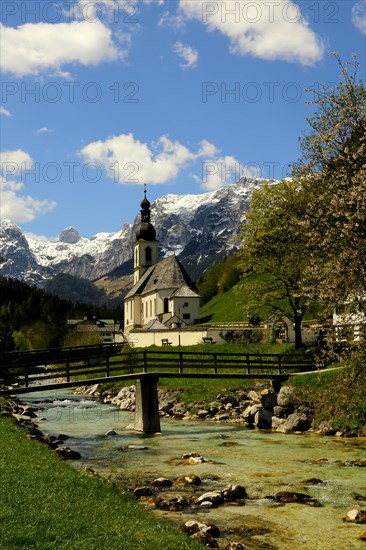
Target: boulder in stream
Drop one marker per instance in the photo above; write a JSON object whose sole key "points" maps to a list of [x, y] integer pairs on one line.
{"points": [[356, 516], [171, 502], [234, 492], [190, 480], [68, 454], [210, 499]]}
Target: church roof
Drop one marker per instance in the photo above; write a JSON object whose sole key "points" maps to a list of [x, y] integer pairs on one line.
{"points": [[166, 274], [184, 292], [154, 324]]}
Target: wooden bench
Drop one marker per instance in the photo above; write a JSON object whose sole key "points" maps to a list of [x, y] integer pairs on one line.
{"points": [[208, 340], [165, 342]]}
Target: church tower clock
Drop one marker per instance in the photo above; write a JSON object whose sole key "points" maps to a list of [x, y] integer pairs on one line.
{"points": [[145, 248]]}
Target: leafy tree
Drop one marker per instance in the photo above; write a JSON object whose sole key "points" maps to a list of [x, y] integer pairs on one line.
{"points": [[275, 247], [332, 171], [219, 278]]}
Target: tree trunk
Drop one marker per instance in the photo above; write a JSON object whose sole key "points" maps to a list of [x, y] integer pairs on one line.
{"points": [[298, 334]]}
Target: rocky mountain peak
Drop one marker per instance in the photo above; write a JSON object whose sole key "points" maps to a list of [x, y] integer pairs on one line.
{"points": [[69, 235]]}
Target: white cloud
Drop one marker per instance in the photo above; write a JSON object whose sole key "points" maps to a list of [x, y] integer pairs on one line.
{"points": [[36, 47], [44, 130], [12, 163], [222, 171], [20, 208], [4, 112], [187, 54], [128, 160], [268, 30], [359, 15]]}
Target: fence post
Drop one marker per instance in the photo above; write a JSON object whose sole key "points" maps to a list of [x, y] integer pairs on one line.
{"points": [[68, 371], [107, 366], [145, 360], [248, 364], [26, 376], [215, 362], [180, 362], [279, 364]]}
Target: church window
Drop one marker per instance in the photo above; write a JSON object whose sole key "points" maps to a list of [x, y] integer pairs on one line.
{"points": [[148, 255], [166, 305], [186, 315]]}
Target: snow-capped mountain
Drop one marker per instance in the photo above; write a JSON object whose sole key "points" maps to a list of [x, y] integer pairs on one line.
{"points": [[201, 229]]}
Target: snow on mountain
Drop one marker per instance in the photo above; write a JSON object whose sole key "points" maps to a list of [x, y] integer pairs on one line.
{"points": [[201, 229]]}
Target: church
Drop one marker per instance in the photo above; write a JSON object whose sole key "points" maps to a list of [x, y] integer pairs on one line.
{"points": [[163, 295]]}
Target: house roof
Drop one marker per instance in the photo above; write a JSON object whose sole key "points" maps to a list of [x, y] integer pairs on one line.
{"points": [[166, 274]]}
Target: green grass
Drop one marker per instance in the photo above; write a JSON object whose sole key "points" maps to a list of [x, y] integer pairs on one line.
{"points": [[45, 505], [224, 306], [233, 305]]}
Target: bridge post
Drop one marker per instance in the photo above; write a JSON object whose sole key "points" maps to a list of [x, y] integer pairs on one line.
{"points": [[147, 418]]}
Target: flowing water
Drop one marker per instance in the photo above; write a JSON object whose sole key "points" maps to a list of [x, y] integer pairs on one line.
{"points": [[263, 462]]}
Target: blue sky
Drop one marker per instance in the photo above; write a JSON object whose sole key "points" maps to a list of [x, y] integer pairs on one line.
{"points": [[100, 97]]}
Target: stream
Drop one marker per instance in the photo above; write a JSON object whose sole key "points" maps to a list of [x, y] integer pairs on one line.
{"points": [[263, 462]]}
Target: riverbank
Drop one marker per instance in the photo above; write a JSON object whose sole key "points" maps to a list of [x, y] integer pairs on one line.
{"points": [[270, 406], [256, 469], [47, 505]]}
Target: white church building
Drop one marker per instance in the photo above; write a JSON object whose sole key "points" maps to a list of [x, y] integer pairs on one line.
{"points": [[163, 296]]}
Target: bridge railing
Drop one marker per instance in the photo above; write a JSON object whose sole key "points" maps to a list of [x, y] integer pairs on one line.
{"points": [[166, 363]]}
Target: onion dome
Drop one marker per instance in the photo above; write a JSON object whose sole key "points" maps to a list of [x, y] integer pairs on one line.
{"points": [[145, 230]]}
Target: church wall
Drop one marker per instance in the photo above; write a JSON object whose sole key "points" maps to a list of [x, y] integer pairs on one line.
{"points": [[187, 309], [148, 308], [141, 338]]}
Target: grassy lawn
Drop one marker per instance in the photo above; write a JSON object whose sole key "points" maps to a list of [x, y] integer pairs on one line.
{"points": [[45, 504]]}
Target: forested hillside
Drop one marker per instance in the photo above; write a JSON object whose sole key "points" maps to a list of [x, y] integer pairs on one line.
{"points": [[33, 318]]}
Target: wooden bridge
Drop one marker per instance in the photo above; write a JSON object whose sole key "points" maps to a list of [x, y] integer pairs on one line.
{"points": [[46, 370]]}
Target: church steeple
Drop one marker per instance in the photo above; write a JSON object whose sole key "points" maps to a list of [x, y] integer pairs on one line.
{"points": [[146, 245]]}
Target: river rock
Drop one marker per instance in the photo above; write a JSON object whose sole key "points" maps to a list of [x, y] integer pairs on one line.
{"points": [[171, 502], [162, 482], [263, 419], [254, 396], [286, 396], [358, 462], [356, 516], [313, 481], [289, 496], [125, 399], [277, 422], [234, 492], [195, 458], [68, 454], [179, 410], [250, 412], [280, 412], [185, 481], [215, 498], [142, 492], [268, 399], [326, 428], [363, 536], [191, 527], [236, 546], [208, 541], [296, 422]]}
